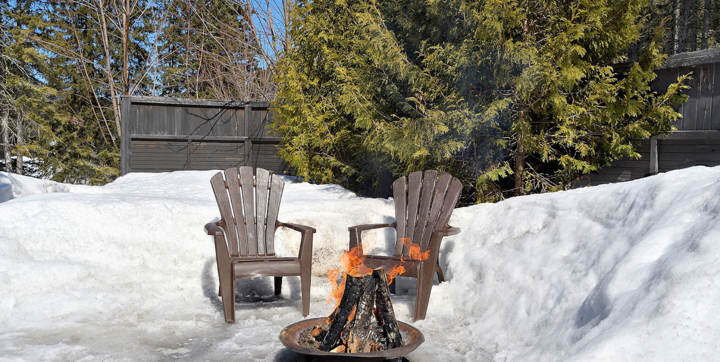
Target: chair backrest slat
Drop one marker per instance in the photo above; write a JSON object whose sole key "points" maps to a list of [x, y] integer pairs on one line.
{"points": [[262, 182], [400, 200], [451, 198], [233, 186], [276, 190], [439, 194], [221, 196], [247, 185], [414, 186], [426, 195], [249, 207], [423, 204]]}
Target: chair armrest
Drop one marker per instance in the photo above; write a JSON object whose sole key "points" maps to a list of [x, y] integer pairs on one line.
{"points": [[213, 228], [306, 240], [356, 233], [449, 230], [296, 227], [361, 228], [221, 249]]}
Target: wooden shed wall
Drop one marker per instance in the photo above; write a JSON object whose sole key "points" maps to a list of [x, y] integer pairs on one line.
{"points": [[167, 134], [702, 109], [697, 139]]}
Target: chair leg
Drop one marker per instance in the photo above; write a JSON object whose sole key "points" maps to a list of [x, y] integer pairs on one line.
{"points": [[420, 300], [278, 285], [227, 294], [440, 274], [305, 288], [424, 286]]}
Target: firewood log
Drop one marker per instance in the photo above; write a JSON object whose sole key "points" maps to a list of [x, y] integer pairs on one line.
{"points": [[353, 288], [385, 312]]}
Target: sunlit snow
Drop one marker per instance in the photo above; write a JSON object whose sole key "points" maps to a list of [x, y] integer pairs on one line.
{"points": [[627, 271]]}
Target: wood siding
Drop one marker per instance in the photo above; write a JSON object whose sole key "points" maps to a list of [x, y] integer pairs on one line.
{"points": [[674, 151], [697, 139], [167, 134], [702, 109]]}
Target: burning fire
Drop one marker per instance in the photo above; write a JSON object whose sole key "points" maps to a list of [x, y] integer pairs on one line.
{"points": [[353, 263], [414, 250]]}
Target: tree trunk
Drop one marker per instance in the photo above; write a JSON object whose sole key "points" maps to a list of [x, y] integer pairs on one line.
{"points": [[286, 17], [187, 49], [6, 139], [706, 24], [108, 69], [682, 22], [520, 155], [125, 41], [677, 6], [19, 141], [692, 18]]}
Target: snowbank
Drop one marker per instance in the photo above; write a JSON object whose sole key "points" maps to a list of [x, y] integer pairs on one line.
{"points": [[627, 271], [14, 185]]}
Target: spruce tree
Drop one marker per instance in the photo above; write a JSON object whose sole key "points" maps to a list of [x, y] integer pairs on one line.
{"points": [[512, 96]]}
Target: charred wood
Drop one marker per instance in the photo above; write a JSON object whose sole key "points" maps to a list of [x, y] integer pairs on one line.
{"points": [[385, 312]]}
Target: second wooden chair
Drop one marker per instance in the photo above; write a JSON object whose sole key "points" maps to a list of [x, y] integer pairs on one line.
{"points": [[245, 235], [423, 204]]}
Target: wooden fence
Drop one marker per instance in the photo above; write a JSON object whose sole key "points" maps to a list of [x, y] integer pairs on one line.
{"points": [[167, 134], [697, 139]]}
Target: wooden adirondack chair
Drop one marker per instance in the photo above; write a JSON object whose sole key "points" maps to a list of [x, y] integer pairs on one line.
{"points": [[244, 237], [423, 204]]}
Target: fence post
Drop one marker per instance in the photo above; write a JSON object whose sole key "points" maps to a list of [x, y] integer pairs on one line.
{"points": [[248, 141], [125, 136], [653, 155]]}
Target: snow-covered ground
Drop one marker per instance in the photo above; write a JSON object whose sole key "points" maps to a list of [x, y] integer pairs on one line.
{"points": [[627, 271]]}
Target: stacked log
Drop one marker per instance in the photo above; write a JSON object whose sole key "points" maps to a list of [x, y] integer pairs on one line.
{"points": [[364, 321]]}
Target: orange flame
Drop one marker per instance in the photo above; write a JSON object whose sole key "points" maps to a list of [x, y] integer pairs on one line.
{"points": [[353, 263], [336, 290], [395, 271], [414, 250]]}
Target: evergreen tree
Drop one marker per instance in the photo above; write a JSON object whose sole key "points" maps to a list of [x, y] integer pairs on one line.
{"points": [[26, 100], [512, 96]]}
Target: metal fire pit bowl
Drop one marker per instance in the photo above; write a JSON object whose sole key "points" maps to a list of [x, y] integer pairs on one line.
{"points": [[290, 335]]}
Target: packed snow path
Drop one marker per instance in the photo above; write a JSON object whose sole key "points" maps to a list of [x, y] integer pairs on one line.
{"points": [[627, 271]]}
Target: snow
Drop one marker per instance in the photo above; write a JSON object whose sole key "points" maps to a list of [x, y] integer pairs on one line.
{"points": [[13, 185], [621, 272]]}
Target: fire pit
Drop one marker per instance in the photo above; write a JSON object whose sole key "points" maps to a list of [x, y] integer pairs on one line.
{"points": [[363, 323], [290, 337]]}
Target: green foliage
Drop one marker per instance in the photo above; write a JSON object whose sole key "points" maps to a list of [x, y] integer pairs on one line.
{"points": [[70, 141], [355, 107], [521, 96]]}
